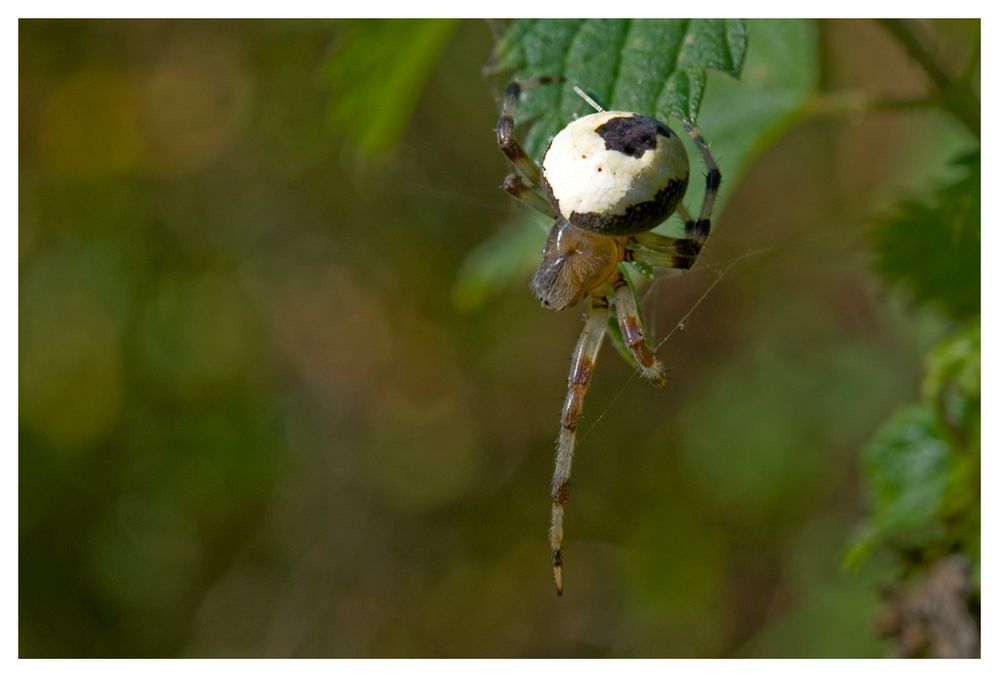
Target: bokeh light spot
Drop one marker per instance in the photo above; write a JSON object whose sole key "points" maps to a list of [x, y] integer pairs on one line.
{"points": [[89, 126], [192, 104], [425, 453]]}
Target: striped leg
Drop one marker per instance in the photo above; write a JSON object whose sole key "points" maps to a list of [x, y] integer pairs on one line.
{"points": [[661, 251], [683, 212], [505, 128], [697, 231], [581, 369], [516, 187], [656, 241], [677, 257], [657, 251], [627, 309]]}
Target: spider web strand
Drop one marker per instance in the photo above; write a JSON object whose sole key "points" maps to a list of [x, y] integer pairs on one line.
{"points": [[682, 323]]}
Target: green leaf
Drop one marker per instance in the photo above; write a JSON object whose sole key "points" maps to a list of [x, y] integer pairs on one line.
{"points": [[627, 65], [908, 466], [952, 383], [931, 246], [741, 118], [510, 254], [952, 387], [922, 468], [653, 66], [377, 71]]}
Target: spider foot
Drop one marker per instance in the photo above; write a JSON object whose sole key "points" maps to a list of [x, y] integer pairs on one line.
{"points": [[659, 379], [557, 570]]}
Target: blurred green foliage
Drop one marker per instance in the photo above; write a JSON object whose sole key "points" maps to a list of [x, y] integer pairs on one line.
{"points": [[932, 247], [376, 71], [253, 421], [908, 465], [922, 467], [780, 78], [508, 256], [923, 464]]}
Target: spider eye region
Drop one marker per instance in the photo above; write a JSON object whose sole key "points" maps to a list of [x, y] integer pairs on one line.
{"points": [[615, 172]]}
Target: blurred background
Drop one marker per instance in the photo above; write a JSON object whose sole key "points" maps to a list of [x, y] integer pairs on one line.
{"points": [[262, 413]]}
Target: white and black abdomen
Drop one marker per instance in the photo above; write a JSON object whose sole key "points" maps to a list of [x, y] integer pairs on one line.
{"points": [[615, 172]]}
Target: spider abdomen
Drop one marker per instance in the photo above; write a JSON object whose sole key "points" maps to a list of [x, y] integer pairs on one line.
{"points": [[615, 172]]}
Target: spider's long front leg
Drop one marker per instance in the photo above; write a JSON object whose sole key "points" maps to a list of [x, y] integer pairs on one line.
{"points": [[686, 250], [712, 180], [661, 251], [627, 309], [505, 128], [516, 187], [580, 372]]}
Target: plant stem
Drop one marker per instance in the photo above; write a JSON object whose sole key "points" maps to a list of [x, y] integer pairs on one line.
{"points": [[851, 102], [955, 95]]}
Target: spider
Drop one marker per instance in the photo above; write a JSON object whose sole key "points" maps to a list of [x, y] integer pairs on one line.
{"points": [[606, 179]]}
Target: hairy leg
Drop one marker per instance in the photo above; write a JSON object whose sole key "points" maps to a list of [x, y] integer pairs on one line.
{"points": [[672, 259], [712, 181], [516, 187], [505, 128], [627, 309], [697, 231], [580, 372], [653, 241], [662, 251]]}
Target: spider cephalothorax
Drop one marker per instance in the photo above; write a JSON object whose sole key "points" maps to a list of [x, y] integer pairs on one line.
{"points": [[606, 179]]}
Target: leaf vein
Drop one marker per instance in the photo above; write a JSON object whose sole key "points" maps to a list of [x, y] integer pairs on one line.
{"points": [[616, 74]]}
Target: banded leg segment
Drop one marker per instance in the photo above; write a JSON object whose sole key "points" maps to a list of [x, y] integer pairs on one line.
{"points": [[652, 249], [627, 309], [674, 258], [712, 181], [657, 251], [516, 187], [656, 241], [686, 250], [505, 128], [580, 372]]}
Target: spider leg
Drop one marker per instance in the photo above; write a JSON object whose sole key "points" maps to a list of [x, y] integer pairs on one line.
{"points": [[581, 369], [712, 180], [516, 187], [656, 251], [671, 257], [683, 212], [505, 128], [655, 241], [662, 251], [627, 309], [697, 231]]}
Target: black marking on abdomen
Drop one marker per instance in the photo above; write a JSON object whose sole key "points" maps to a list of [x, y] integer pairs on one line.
{"points": [[637, 218], [662, 129], [631, 135]]}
